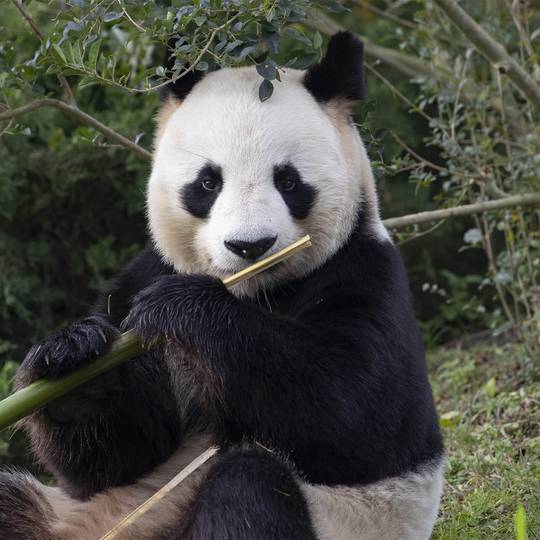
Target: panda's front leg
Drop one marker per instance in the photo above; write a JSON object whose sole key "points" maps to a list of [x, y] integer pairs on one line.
{"points": [[271, 378], [109, 431]]}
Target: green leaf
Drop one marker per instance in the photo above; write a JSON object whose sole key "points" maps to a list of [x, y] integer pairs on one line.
{"points": [[450, 419], [491, 387], [93, 55], [317, 40], [266, 89], [85, 82], [70, 54], [112, 16], [78, 53], [272, 42], [202, 66], [231, 46], [160, 71], [247, 51], [520, 523], [298, 36], [59, 53], [267, 69]]}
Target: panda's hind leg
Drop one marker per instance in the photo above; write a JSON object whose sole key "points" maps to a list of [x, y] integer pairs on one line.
{"points": [[249, 494], [24, 513]]}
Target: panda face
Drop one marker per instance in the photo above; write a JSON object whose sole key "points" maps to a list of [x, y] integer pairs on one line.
{"points": [[235, 179]]}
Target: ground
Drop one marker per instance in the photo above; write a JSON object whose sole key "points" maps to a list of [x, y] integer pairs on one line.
{"points": [[488, 399]]}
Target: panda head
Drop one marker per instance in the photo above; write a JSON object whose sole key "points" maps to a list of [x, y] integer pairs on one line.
{"points": [[235, 179]]}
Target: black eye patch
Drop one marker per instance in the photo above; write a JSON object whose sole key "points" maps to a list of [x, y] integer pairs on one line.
{"points": [[298, 195], [198, 196]]}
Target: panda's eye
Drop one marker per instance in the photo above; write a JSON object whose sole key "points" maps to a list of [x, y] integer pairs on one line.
{"points": [[210, 184], [287, 183]]}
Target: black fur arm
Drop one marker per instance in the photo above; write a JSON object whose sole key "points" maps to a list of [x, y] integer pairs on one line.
{"points": [[312, 387], [111, 430]]}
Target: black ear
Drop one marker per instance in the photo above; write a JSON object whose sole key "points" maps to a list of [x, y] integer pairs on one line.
{"points": [[180, 88], [340, 74]]}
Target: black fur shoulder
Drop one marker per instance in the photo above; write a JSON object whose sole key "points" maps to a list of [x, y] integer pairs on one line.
{"points": [[138, 274]]}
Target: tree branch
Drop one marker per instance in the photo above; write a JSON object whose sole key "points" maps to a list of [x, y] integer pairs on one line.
{"points": [[83, 118], [492, 50], [526, 200], [384, 14]]}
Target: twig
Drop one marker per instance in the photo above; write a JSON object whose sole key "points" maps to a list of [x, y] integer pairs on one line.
{"points": [[384, 14], [28, 18], [191, 67], [526, 200], [417, 235], [399, 94], [417, 156], [82, 117], [492, 50], [136, 25]]}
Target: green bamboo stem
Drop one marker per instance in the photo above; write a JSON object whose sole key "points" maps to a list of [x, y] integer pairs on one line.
{"points": [[128, 345], [39, 393]]}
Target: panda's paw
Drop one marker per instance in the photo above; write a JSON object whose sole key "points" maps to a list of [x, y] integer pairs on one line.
{"points": [[174, 307], [67, 350]]}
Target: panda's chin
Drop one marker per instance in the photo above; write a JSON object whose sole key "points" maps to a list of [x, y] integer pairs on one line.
{"points": [[230, 268]]}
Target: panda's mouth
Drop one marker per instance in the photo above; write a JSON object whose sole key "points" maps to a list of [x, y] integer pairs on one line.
{"points": [[223, 271]]}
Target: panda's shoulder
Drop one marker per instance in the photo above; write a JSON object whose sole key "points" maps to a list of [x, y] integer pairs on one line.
{"points": [[140, 272]]}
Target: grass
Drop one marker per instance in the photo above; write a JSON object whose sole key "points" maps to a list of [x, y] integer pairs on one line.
{"points": [[488, 399]]}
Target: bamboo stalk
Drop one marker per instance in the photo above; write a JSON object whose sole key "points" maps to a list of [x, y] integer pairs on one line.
{"points": [[160, 493], [39, 393]]}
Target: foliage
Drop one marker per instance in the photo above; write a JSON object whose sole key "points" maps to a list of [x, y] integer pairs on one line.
{"points": [[112, 43], [488, 137], [489, 401]]}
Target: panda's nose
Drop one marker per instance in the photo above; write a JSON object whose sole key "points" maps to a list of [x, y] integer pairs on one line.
{"points": [[250, 250]]}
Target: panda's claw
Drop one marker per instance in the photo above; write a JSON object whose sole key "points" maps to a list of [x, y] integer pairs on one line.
{"points": [[68, 349]]}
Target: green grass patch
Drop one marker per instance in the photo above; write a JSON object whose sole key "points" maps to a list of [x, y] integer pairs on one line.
{"points": [[488, 399]]}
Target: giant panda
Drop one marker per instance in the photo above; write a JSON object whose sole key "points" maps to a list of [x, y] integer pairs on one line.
{"points": [[310, 377]]}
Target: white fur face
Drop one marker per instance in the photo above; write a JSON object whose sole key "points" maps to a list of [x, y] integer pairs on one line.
{"points": [[222, 123]]}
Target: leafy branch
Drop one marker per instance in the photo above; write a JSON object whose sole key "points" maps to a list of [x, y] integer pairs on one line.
{"points": [[83, 117], [28, 18], [492, 50]]}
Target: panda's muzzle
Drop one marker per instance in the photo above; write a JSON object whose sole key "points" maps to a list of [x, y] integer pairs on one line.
{"points": [[250, 250]]}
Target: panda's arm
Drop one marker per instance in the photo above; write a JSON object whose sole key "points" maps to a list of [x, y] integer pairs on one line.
{"points": [[309, 386], [117, 427]]}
